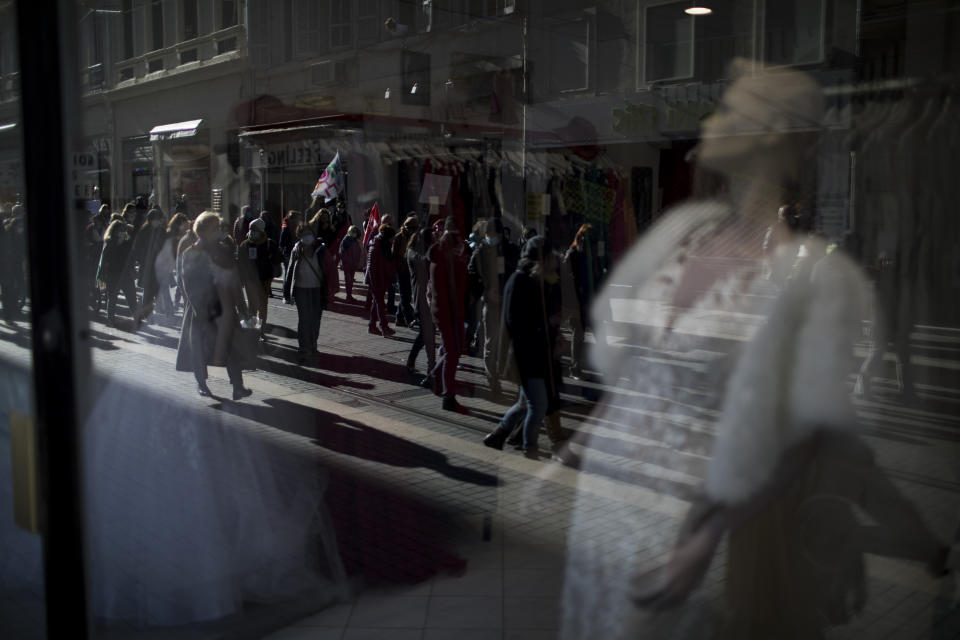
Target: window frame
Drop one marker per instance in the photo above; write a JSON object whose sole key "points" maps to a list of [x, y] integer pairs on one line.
{"points": [[643, 20], [760, 45]]}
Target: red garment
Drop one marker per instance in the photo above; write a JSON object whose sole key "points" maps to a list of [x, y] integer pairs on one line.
{"points": [[381, 270], [448, 284]]}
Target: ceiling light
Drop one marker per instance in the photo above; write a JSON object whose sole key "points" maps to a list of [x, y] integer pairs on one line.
{"points": [[386, 94], [413, 89], [697, 10]]}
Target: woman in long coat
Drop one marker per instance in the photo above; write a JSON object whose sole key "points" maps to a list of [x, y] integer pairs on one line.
{"points": [[115, 270], [214, 305]]}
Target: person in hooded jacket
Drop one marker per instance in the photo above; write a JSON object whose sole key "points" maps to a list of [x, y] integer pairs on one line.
{"points": [[306, 285], [259, 259], [116, 269], [448, 282], [381, 271], [531, 308]]}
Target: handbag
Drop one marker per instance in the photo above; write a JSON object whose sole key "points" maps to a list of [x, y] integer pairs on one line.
{"points": [[246, 345]]}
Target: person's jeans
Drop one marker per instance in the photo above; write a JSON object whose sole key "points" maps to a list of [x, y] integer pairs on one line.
{"points": [[491, 341], [406, 292], [449, 358], [129, 290], [378, 310], [531, 407], [425, 337], [348, 282], [310, 304]]}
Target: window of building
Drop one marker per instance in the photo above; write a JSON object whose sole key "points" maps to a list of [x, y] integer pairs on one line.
{"points": [[156, 25], [228, 13], [793, 32], [668, 42], [307, 20], [127, 8], [190, 20], [341, 27], [368, 20], [570, 55]]}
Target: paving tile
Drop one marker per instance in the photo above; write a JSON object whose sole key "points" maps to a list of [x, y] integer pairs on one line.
{"points": [[306, 633], [388, 612], [448, 612], [475, 582], [335, 616], [533, 583], [462, 634], [531, 613]]}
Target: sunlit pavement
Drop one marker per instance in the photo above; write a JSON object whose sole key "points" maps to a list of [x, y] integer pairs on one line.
{"points": [[446, 538]]}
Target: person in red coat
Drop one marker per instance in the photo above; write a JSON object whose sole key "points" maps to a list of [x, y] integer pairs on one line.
{"points": [[448, 282], [381, 270]]}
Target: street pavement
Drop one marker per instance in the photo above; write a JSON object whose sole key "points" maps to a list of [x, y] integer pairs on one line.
{"points": [[445, 538]]}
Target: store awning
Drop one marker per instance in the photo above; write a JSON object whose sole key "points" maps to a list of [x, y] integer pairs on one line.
{"points": [[175, 130]]}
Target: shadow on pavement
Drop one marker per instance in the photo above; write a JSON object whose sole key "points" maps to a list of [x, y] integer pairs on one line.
{"points": [[355, 439]]}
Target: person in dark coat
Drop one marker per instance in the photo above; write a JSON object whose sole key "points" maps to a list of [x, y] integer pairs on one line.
{"points": [[381, 270], [146, 247], [326, 235], [288, 236], [116, 270], [531, 308], [491, 264], [259, 259], [213, 307], [351, 259], [166, 263], [585, 264], [448, 282], [306, 284], [242, 224], [418, 262]]}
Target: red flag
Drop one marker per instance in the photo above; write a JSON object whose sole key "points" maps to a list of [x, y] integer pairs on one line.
{"points": [[373, 223]]}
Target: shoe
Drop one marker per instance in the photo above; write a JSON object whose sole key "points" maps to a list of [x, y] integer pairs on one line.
{"points": [[204, 390], [494, 440], [411, 369], [387, 332], [531, 453], [427, 382], [516, 440], [374, 331], [241, 392], [400, 322]]}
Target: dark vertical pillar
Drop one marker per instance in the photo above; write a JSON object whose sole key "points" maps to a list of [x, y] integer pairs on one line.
{"points": [[49, 78]]}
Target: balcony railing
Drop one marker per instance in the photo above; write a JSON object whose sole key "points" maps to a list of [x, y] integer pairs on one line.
{"points": [[224, 44]]}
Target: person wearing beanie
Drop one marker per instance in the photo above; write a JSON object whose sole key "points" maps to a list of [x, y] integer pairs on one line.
{"points": [[531, 318], [259, 259]]}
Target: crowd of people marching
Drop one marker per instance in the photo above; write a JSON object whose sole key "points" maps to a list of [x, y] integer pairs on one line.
{"points": [[473, 293]]}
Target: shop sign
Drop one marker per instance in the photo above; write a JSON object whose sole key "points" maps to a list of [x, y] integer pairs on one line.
{"points": [[84, 174], [308, 152]]}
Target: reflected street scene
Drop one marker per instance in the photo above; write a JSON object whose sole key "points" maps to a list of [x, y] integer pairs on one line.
{"points": [[479, 319]]}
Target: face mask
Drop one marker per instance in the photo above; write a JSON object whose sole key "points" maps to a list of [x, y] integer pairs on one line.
{"points": [[494, 241], [307, 240]]}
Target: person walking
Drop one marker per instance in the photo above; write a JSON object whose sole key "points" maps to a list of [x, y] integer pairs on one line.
{"points": [[242, 224], [146, 247], [586, 270], [448, 282], [165, 265], [259, 259], [530, 308], [490, 266], [115, 270], [381, 270], [93, 245], [288, 236], [405, 314], [351, 259], [306, 285], [418, 263], [213, 309], [326, 234], [13, 269]]}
